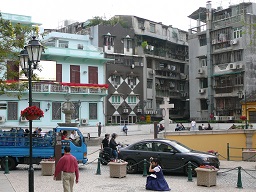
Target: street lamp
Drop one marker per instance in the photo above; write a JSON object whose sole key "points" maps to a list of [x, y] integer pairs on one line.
{"points": [[28, 56], [240, 96]]}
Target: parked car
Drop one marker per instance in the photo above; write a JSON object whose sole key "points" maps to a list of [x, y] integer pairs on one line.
{"points": [[174, 156]]}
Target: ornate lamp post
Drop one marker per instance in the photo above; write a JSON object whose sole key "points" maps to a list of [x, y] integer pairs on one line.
{"points": [[30, 56], [240, 96]]}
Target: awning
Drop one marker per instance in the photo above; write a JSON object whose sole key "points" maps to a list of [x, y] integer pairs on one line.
{"points": [[229, 73]]}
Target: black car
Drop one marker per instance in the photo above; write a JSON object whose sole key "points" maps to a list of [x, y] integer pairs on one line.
{"points": [[174, 156]]}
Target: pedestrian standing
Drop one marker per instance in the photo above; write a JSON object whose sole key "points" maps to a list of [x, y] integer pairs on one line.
{"points": [[193, 125], [99, 129], [68, 164]]}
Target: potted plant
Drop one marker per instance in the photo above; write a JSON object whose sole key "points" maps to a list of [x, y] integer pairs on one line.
{"points": [[32, 113]]}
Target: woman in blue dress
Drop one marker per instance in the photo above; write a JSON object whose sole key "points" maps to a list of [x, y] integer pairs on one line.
{"points": [[156, 180]]}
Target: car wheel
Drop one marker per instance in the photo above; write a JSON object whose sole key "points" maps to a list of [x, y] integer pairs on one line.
{"points": [[132, 166], [11, 163], [193, 166]]}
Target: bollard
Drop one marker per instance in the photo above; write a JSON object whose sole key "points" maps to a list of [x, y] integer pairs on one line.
{"points": [[239, 180], [189, 172], [6, 169], [228, 151], [145, 168], [98, 167]]}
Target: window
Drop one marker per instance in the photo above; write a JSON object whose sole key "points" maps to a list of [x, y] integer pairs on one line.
{"points": [[203, 83], [63, 44], [115, 79], [56, 110], [75, 115], [141, 24], [127, 44], [239, 80], [74, 74], [238, 55], [131, 80], [149, 83], [108, 41], [93, 75], [37, 104], [132, 99], [204, 105], [202, 40], [92, 110], [237, 32], [182, 86], [12, 111], [164, 32], [80, 46], [222, 58], [115, 99], [203, 62], [152, 28], [143, 146], [149, 104], [59, 72]]}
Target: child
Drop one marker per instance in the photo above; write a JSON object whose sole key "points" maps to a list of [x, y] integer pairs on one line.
{"points": [[156, 181]]}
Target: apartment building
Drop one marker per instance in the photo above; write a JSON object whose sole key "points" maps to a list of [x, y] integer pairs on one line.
{"points": [[222, 62], [165, 58]]}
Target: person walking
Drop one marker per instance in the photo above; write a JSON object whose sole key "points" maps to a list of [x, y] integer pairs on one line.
{"points": [[68, 164], [125, 129], [99, 129]]}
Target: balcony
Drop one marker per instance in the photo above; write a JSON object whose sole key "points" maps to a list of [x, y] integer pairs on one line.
{"points": [[64, 88]]}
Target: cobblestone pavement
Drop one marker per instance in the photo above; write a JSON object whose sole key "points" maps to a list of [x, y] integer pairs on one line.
{"points": [[91, 182]]}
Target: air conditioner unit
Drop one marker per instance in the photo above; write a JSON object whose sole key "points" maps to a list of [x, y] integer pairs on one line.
{"points": [[234, 41], [2, 119], [84, 121], [200, 70], [201, 90], [125, 111], [214, 41], [232, 66], [239, 66], [23, 119], [139, 110], [142, 28]]}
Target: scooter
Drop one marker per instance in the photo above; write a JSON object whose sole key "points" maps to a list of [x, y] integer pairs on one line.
{"points": [[106, 156]]}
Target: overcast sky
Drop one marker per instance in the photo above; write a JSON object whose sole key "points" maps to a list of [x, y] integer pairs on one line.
{"points": [[50, 13]]}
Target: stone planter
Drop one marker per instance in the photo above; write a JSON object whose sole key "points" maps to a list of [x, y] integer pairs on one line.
{"points": [[249, 155], [206, 177], [117, 169], [47, 167]]}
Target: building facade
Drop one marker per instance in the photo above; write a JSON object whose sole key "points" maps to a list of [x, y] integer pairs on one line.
{"points": [[165, 66], [222, 62], [71, 69]]}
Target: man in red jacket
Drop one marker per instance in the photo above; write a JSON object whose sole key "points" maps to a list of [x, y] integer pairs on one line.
{"points": [[68, 164]]}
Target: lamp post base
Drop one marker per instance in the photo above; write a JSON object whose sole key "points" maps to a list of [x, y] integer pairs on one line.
{"points": [[31, 179]]}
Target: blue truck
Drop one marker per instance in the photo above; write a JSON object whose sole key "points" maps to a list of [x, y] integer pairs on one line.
{"points": [[14, 143]]}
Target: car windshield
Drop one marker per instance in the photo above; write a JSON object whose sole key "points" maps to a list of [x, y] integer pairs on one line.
{"points": [[180, 147]]}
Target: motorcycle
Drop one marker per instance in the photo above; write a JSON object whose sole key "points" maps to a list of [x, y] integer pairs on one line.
{"points": [[106, 156]]}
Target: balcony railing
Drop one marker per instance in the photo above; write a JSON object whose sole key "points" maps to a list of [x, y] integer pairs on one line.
{"points": [[56, 88]]}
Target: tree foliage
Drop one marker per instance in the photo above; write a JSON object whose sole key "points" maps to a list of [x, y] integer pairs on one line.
{"points": [[113, 21], [13, 37]]}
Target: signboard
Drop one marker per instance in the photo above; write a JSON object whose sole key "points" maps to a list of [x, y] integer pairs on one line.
{"points": [[65, 143], [148, 118]]}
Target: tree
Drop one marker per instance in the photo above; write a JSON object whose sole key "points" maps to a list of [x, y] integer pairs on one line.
{"points": [[112, 21], [13, 37]]}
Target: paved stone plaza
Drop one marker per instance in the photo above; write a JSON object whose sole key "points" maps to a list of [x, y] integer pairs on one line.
{"points": [[17, 180]]}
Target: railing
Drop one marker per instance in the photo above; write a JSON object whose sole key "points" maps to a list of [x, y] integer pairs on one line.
{"points": [[56, 88]]}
